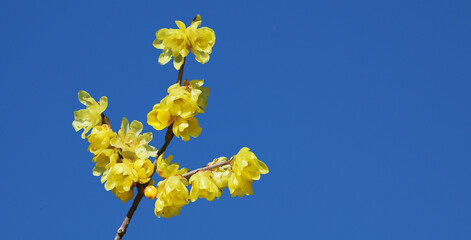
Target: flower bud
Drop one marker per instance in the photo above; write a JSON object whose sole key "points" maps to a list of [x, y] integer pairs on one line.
{"points": [[150, 192]]}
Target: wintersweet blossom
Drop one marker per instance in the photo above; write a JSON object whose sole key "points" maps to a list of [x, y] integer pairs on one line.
{"points": [[239, 186], [180, 102], [88, 118], [144, 169], [221, 174], [203, 186], [177, 43], [172, 195], [246, 165], [120, 176], [174, 43], [179, 107], [185, 128], [160, 117], [104, 159], [132, 144], [245, 168], [202, 40], [165, 167], [100, 138]]}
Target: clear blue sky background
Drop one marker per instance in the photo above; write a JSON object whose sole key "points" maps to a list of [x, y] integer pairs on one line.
{"points": [[361, 110]]}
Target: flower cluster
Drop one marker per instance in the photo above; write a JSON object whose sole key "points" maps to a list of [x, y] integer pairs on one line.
{"points": [[238, 177], [121, 158], [177, 43], [237, 174], [180, 107]]}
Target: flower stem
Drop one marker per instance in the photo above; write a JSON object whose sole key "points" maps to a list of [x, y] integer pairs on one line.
{"points": [[140, 187], [210, 167]]}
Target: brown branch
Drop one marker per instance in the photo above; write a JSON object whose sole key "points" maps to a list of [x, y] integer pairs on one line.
{"points": [[105, 119], [180, 72], [189, 174], [140, 187], [168, 138], [127, 219]]}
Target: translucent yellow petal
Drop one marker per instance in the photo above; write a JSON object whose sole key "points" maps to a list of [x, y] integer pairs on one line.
{"points": [[201, 94], [194, 128], [263, 167], [162, 34], [103, 104], [165, 57], [136, 127], [180, 25], [178, 62], [85, 98], [201, 57]]}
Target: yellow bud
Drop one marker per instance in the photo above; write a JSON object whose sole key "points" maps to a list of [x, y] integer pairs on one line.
{"points": [[150, 192]]}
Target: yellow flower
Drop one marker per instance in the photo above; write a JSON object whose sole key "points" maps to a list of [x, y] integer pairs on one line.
{"points": [[203, 186], [166, 211], [246, 165], [179, 107], [124, 196], [144, 169], [100, 138], [202, 40], [177, 43], [239, 186], [133, 145], [185, 128], [150, 192], [221, 174], [165, 167], [172, 195], [160, 117], [245, 169], [104, 159], [180, 102], [174, 43], [120, 176], [88, 118], [199, 94]]}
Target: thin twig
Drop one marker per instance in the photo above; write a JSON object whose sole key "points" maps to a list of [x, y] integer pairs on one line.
{"points": [[180, 72], [127, 219], [168, 138], [140, 187], [189, 174]]}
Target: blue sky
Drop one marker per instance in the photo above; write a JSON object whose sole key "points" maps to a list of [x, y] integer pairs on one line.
{"points": [[361, 110]]}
